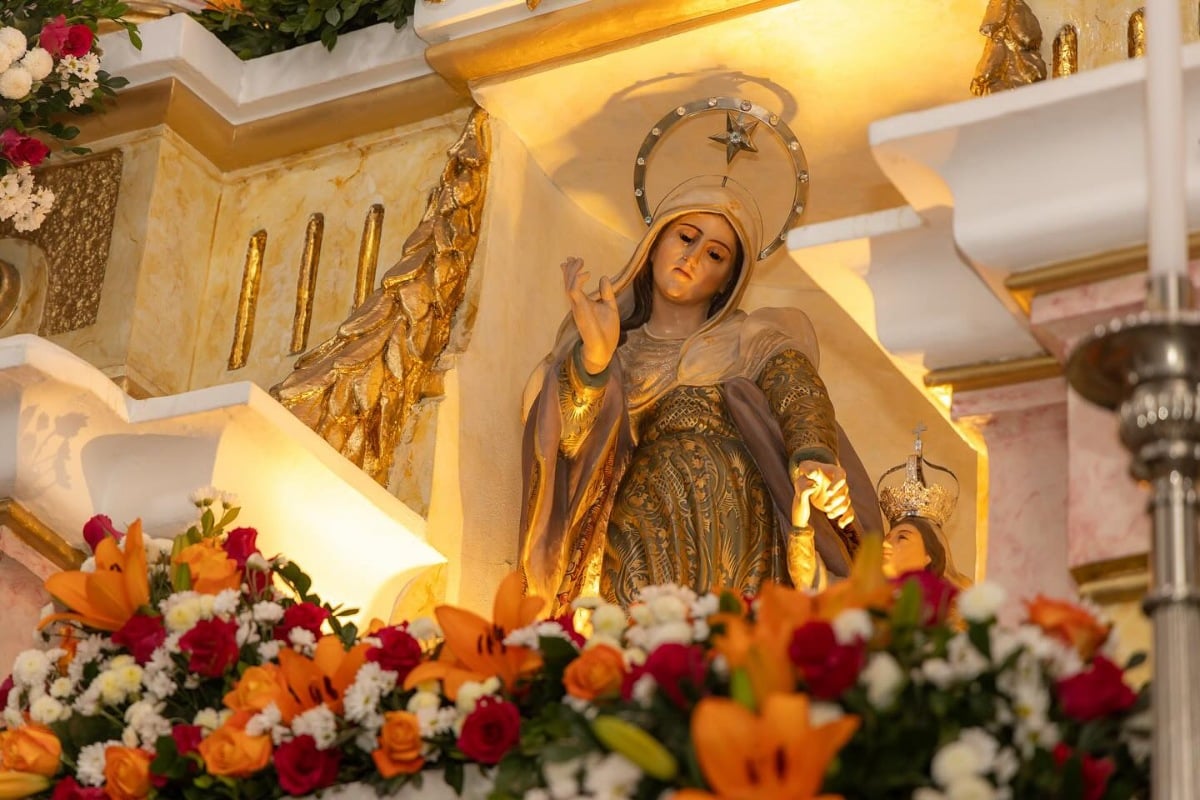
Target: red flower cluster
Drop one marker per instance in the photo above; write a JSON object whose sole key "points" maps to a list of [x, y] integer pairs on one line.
{"points": [[1096, 692], [828, 668], [398, 651], [678, 669], [1096, 771], [302, 768], [211, 646], [60, 39], [240, 544], [305, 616], [70, 789], [21, 150], [491, 730], [141, 635]]}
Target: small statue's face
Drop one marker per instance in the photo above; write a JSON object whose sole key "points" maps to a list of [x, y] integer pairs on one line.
{"points": [[693, 258], [904, 551]]}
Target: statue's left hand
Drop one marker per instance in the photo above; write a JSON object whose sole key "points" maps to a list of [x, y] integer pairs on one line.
{"points": [[821, 486]]}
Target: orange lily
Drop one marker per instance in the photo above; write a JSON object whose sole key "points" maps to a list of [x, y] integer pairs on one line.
{"points": [[22, 784], [107, 598], [761, 648], [867, 587], [474, 649], [745, 756], [322, 679]]}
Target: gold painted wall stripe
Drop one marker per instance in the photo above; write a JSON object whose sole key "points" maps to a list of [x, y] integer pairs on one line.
{"points": [[243, 326], [991, 374], [368, 254], [1066, 52], [35, 533], [306, 282]]}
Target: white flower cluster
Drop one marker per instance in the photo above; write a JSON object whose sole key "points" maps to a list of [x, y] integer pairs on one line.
{"points": [[973, 767], [593, 777], [363, 696], [669, 613], [80, 76], [20, 200], [21, 66]]}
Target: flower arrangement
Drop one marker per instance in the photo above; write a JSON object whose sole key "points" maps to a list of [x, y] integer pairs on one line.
{"points": [[253, 28], [198, 667], [49, 68]]}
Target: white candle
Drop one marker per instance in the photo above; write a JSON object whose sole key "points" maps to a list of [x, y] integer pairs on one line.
{"points": [[1166, 167]]}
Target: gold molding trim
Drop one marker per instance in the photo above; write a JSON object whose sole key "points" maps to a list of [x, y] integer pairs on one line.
{"points": [[243, 325], [991, 374], [1115, 580], [1027, 285], [575, 33], [35, 533], [1120, 567], [230, 147]]}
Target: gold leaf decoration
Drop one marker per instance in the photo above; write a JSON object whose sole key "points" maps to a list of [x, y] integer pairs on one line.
{"points": [[1012, 54], [358, 388]]}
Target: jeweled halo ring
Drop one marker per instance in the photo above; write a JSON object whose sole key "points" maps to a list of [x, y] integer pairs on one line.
{"points": [[742, 117]]}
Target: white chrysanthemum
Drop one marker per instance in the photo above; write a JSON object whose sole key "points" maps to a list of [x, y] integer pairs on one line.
{"points": [[954, 761], [925, 793], [981, 602], [13, 42], [562, 778], [89, 766], [424, 629], [615, 776], [1005, 766], [822, 713], [853, 625], [47, 710], [207, 718], [181, 611], [362, 698], [39, 63], [883, 678], [269, 651], [938, 672], [609, 620], [530, 635], [145, 719], [966, 661], [643, 690], [668, 608], [30, 668], [641, 614], [61, 687], [15, 83], [470, 693], [971, 787], [225, 603], [668, 633]]}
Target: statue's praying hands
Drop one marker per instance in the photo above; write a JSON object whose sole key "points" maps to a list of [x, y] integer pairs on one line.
{"points": [[821, 486]]}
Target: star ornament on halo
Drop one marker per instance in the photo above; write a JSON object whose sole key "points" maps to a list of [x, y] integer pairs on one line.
{"points": [[737, 136]]}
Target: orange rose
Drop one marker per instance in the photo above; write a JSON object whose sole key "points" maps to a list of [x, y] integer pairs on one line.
{"points": [[229, 751], [400, 745], [126, 773], [1069, 623], [597, 672], [211, 569], [258, 688], [30, 748]]}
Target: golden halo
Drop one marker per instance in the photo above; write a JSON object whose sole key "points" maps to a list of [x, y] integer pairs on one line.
{"points": [[737, 138]]}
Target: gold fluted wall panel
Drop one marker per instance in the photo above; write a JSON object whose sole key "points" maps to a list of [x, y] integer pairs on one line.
{"points": [[1102, 26]]}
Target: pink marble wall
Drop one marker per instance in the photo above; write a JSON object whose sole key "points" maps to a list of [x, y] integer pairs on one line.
{"points": [[1025, 429], [22, 596]]}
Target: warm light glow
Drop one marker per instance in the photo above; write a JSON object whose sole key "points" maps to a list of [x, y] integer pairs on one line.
{"points": [[944, 394]]}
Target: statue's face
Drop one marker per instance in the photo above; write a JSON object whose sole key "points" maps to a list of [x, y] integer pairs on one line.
{"points": [[693, 258], [904, 551]]}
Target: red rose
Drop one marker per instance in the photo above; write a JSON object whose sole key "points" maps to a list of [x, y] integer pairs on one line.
{"points": [[5, 688], [937, 594], [69, 789], [1096, 771], [53, 38], [302, 768], [828, 668], [302, 615], [567, 623], [141, 635], [678, 669], [97, 529], [79, 41], [398, 651], [239, 545], [187, 738], [491, 730], [212, 647], [1096, 692], [21, 150]]}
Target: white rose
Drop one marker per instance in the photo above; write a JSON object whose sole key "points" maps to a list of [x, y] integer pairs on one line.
{"points": [[609, 620], [669, 633], [15, 83], [955, 761], [982, 601], [13, 41], [853, 625], [39, 63], [468, 696], [971, 787], [883, 678]]}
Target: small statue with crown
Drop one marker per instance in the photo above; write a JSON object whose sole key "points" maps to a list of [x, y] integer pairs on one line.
{"points": [[917, 509]]}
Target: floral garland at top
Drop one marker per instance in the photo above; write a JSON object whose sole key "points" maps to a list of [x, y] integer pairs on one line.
{"points": [[49, 68]]}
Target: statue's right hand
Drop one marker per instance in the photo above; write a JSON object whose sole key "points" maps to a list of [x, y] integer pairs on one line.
{"points": [[598, 320]]}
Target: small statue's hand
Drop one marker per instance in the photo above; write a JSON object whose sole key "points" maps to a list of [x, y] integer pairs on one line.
{"points": [[821, 486], [598, 320]]}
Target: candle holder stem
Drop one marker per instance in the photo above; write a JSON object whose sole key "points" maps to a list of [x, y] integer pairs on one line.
{"points": [[1147, 367]]}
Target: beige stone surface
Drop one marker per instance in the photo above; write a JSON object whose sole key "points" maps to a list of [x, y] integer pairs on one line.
{"points": [[1102, 26]]}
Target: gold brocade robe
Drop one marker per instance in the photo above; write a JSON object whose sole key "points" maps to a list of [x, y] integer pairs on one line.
{"points": [[692, 507]]}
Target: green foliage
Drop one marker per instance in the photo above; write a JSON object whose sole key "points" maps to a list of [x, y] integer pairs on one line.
{"points": [[254, 28]]}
